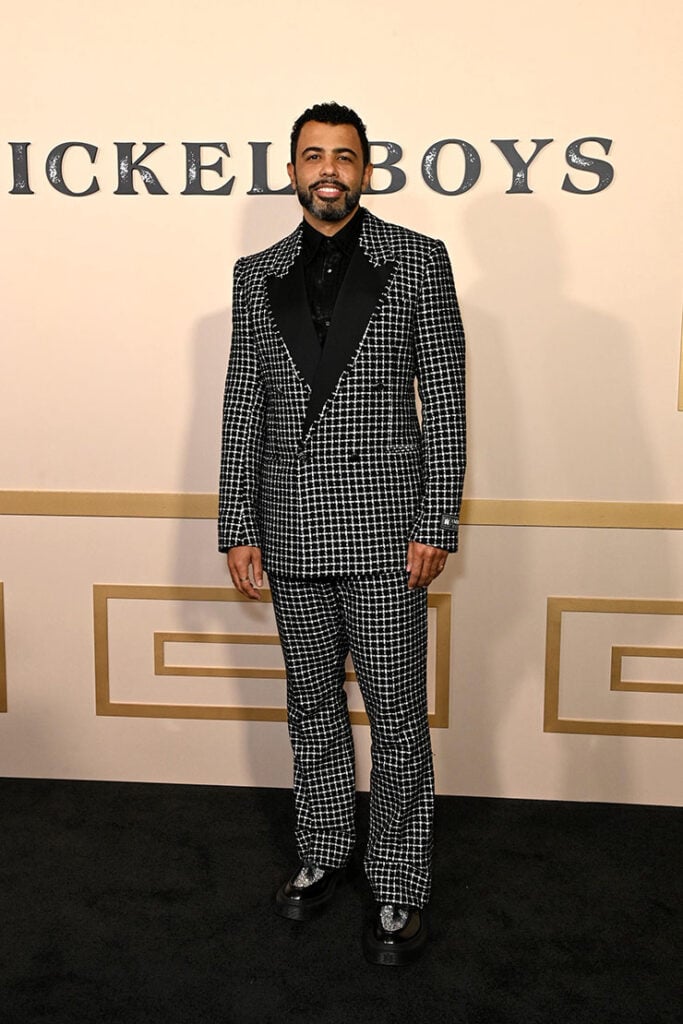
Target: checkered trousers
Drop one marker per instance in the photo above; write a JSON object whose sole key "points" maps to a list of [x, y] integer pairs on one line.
{"points": [[384, 626]]}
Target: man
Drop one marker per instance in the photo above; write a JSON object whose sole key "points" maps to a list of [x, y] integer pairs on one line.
{"points": [[331, 484]]}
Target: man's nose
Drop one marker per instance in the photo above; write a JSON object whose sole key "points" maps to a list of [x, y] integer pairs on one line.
{"points": [[329, 167]]}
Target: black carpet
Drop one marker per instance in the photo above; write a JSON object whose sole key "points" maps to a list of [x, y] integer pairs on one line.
{"points": [[130, 903]]}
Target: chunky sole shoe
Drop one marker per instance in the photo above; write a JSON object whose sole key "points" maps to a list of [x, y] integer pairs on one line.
{"points": [[393, 949], [301, 904]]}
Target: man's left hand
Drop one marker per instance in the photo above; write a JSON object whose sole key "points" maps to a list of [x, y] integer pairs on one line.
{"points": [[425, 563]]}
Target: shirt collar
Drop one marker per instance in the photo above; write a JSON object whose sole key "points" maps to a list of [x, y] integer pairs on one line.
{"points": [[346, 239]]}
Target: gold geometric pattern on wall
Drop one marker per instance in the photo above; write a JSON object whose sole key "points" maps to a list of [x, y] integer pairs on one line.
{"points": [[106, 705], [557, 607], [162, 667], [3, 658], [638, 686]]}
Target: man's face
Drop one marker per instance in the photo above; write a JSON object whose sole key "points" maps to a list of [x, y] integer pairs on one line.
{"points": [[328, 175]]}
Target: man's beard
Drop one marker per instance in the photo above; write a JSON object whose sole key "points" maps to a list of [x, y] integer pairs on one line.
{"points": [[324, 209]]}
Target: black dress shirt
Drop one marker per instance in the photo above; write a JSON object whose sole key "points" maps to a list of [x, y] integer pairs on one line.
{"points": [[326, 260]]}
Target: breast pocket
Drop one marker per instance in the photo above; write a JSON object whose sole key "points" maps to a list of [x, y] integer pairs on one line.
{"points": [[405, 447]]}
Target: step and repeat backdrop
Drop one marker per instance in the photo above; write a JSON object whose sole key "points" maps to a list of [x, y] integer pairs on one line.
{"points": [[143, 151]]}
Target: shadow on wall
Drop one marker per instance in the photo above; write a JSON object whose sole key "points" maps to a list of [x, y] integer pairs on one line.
{"points": [[196, 557], [553, 414], [268, 218]]}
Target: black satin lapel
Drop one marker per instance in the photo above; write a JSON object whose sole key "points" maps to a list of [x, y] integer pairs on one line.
{"points": [[357, 301], [289, 305]]}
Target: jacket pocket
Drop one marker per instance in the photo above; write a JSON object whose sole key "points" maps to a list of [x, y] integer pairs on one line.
{"points": [[407, 446]]}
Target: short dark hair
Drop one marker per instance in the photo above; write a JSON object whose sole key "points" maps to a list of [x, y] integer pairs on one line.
{"points": [[330, 113]]}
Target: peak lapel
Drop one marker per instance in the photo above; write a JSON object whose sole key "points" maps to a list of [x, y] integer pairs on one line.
{"points": [[289, 305], [358, 299]]}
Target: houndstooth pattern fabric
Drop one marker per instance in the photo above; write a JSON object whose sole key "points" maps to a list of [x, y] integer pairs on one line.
{"points": [[347, 493], [384, 626]]}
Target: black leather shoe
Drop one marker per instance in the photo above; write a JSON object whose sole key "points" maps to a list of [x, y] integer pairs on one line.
{"points": [[399, 947], [302, 903]]}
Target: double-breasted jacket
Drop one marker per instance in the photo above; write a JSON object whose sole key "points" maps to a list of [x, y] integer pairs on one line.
{"points": [[326, 463]]}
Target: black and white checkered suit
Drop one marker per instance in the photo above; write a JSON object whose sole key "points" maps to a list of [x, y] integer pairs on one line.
{"points": [[327, 468]]}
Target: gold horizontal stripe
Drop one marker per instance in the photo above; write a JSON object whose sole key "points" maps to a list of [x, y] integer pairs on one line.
{"points": [[663, 730], [220, 712], [260, 639], [633, 686], [115, 504], [611, 515]]}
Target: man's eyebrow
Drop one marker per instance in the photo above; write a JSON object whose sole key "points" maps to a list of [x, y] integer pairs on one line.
{"points": [[320, 149]]}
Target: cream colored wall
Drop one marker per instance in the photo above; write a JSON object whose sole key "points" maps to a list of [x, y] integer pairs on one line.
{"points": [[115, 328]]}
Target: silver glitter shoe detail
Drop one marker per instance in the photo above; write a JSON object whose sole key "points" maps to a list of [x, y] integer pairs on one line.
{"points": [[308, 875], [393, 918]]}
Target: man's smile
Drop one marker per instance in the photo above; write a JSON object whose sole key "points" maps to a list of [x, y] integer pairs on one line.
{"points": [[329, 189]]}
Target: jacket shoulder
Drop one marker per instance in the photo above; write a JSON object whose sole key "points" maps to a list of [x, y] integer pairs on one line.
{"points": [[396, 238], [276, 257]]}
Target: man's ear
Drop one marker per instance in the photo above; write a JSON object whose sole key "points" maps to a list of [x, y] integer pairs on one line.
{"points": [[367, 175], [292, 176]]}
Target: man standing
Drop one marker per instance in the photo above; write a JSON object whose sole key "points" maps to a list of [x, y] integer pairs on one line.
{"points": [[330, 483]]}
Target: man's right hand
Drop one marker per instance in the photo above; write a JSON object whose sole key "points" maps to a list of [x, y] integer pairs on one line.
{"points": [[239, 561]]}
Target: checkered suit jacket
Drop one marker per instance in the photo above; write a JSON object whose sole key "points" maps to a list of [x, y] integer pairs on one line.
{"points": [[325, 464]]}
